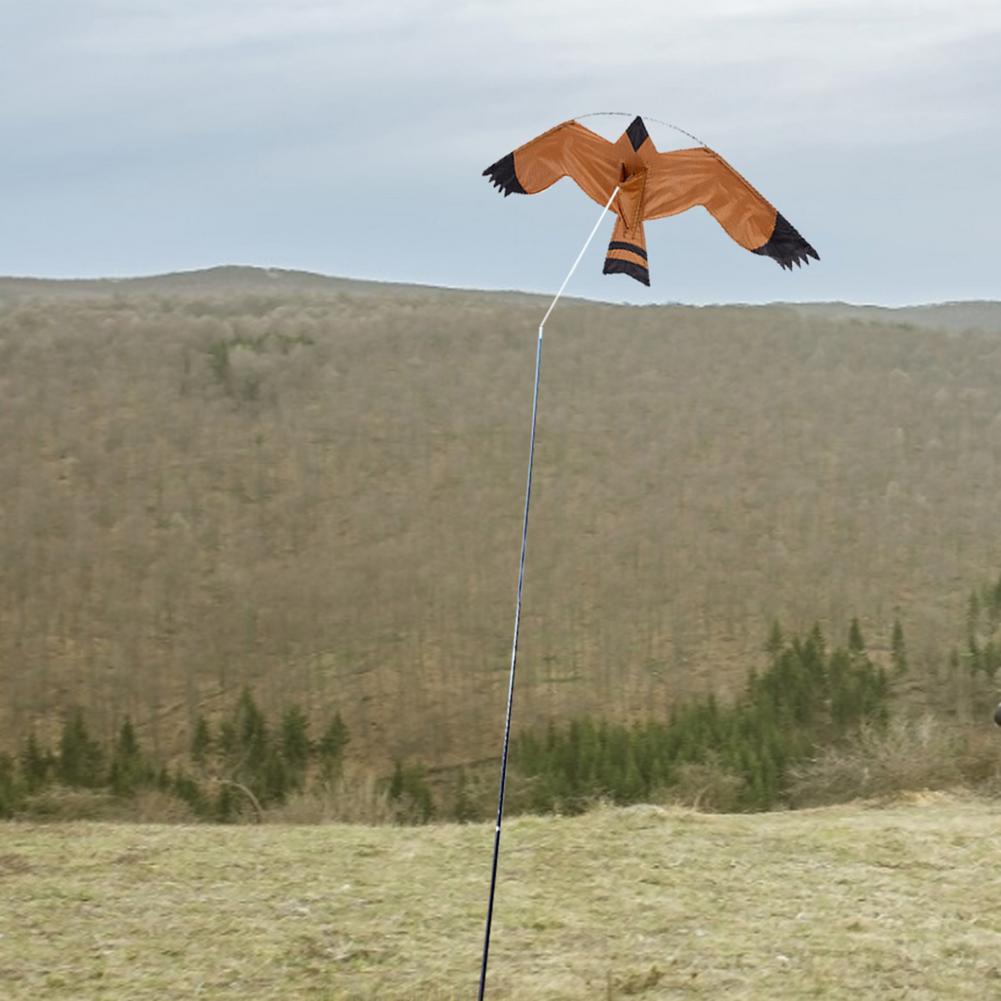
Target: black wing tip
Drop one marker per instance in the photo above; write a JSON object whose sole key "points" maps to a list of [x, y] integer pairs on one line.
{"points": [[786, 247], [616, 266], [503, 176]]}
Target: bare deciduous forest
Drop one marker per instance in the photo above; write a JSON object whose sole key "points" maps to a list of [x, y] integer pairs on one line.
{"points": [[314, 487]]}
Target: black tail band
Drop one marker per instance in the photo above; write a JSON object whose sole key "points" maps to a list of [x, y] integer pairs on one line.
{"points": [[631, 247], [615, 266]]}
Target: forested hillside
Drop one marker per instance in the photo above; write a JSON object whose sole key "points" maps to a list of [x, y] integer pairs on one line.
{"points": [[314, 487]]}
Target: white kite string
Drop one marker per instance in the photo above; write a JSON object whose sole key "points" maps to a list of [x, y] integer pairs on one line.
{"points": [[587, 243]]}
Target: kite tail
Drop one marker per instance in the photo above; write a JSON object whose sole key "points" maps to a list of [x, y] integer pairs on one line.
{"points": [[627, 253]]}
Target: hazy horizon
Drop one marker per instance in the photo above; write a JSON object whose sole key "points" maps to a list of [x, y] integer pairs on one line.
{"points": [[568, 294]]}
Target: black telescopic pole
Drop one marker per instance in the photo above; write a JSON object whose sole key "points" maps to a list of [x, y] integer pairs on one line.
{"points": [[517, 609]]}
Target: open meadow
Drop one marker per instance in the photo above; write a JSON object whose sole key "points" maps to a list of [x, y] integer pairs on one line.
{"points": [[890, 901]]}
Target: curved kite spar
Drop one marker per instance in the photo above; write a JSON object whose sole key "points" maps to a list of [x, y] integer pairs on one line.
{"points": [[651, 185]]}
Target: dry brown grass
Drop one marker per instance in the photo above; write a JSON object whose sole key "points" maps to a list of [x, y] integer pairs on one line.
{"points": [[836, 903], [910, 754], [356, 796], [705, 786]]}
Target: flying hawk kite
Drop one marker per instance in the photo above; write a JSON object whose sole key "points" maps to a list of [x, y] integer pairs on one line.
{"points": [[652, 185]]}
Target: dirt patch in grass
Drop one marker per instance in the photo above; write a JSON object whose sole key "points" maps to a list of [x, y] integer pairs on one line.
{"points": [[13, 865]]}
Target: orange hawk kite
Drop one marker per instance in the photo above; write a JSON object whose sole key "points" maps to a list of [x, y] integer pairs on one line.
{"points": [[651, 185]]}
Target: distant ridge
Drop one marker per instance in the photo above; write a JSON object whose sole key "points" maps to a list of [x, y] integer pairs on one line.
{"points": [[227, 279], [230, 279], [980, 314]]}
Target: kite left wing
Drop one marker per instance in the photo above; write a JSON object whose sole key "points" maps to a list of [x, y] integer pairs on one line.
{"points": [[569, 150]]}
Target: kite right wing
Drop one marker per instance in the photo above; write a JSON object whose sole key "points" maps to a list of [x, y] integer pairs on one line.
{"points": [[569, 150], [689, 177]]}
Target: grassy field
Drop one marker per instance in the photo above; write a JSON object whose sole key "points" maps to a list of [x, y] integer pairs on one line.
{"points": [[849, 902]]}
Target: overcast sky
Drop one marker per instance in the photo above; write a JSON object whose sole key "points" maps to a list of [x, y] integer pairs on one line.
{"points": [[143, 136]]}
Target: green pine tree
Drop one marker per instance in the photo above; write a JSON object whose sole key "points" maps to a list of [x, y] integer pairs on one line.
{"points": [[817, 639], [397, 781], [990, 659], [275, 780], [80, 761], [775, 641], [973, 654], [201, 742], [36, 764], [128, 769], [410, 793], [252, 734], [898, 649], [10, 791], [228, 740], [332, 744], [856, 642], [186, 788], [973, 613], [295, 743]]}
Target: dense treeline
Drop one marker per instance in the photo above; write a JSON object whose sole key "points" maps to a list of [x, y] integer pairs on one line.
{"points": [[808, 697], [799, 728], [242, 764], [810, 703], [983, 620], [966, 685]]}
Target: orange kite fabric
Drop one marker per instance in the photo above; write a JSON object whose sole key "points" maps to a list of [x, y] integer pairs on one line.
{"points": [[651, 185]]}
